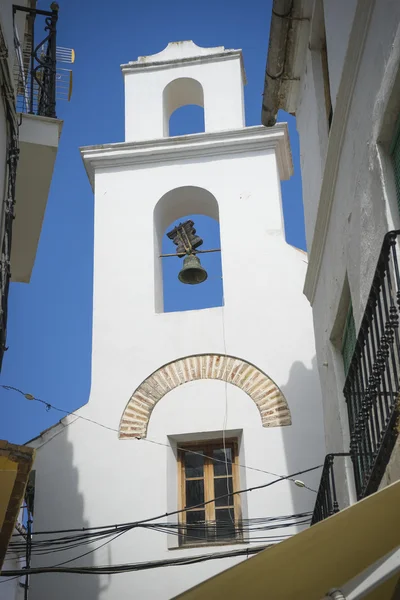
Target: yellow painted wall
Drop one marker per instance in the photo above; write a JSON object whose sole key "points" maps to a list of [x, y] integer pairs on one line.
{"points": [[8, 474]]}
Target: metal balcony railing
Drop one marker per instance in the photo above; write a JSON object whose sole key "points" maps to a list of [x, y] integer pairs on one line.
{"points": [[35, 66], [326, 503], [372, 384], [8, 216]]}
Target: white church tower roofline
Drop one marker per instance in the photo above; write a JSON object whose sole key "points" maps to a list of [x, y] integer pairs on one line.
{"points": [[186, 52], [182, 74]]}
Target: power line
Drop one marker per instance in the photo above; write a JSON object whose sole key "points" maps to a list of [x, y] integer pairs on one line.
{"points": [[133, 524], [119, 529], [258, 523], [164, 528], [116, 529], [49, 406], [245, 526], [130, 567], [201, 504], [150, 441]]}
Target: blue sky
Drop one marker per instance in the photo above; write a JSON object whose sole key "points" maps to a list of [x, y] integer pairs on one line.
{"points": [[50, 320]]}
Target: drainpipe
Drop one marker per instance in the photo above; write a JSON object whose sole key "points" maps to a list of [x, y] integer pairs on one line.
{"points": [[286, 20]]}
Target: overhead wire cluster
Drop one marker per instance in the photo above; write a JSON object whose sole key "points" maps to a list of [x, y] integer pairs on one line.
{"points": [[49, 407], [80, 539], [44, 544], [130, 567], [70, 539], [111, 532]]}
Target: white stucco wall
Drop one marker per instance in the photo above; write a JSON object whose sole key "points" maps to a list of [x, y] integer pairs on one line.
{"points": [[364, 205], [146, 79], [267, 321], [339, 15], [10, 586], [85, 475]]}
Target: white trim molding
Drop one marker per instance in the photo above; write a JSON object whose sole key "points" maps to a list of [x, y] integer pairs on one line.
{"points": [[185, 53], [194, 146], [339, 123]]}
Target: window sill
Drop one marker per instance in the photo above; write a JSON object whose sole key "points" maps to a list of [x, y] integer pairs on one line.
{"points": [[209, 544]]}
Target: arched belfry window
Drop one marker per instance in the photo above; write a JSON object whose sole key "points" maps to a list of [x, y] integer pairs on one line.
{"points": [[177, 206], [183, 101]]}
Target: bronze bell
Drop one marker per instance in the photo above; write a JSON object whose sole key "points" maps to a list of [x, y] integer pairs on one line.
{"points": [[192, 272]]}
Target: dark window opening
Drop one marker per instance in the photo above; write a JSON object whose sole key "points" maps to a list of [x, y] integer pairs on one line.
{"points": [[349, 340], [208, 473], [327, 87], [395, 152]]}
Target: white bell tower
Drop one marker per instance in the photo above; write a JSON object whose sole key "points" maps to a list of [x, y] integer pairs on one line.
{"points": [[183, 74], [231, 173], [243, 372]]}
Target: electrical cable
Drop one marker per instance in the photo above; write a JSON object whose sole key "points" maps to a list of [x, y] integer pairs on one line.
{"points": [[256, 523], [246, 526], [90, 551], [130, 567], [138, 523], [128, 526], [166, 528], [49, 406], [225, 423]]}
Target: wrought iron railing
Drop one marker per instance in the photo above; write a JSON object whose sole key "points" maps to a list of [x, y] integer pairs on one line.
{"points": [[35, 67], [327, 503], [9, 205], [373, 380]]}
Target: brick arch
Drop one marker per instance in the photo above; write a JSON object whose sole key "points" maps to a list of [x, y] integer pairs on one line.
{"points": [[270, 401]]}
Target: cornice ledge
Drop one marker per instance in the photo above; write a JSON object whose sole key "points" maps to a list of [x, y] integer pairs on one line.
{"points": [[192, 146], [354, 52], [177, 62]]}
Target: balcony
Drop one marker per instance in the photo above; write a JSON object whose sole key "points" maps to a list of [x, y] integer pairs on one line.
{"points": [[372, 387], [373, 381], [35, 84], [327, 503]]}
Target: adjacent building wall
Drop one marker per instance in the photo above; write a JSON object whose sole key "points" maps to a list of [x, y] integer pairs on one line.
{"points": [[364, 205]]}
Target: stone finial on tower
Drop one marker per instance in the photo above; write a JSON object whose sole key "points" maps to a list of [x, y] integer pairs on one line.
{"points": [[183, 73]]}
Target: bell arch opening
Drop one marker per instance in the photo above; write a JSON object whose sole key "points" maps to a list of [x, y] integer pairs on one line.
{"points": [[270, 401], [179, 205], [185, 94]]}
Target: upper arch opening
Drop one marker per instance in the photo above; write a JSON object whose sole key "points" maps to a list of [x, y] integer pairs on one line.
{"points": [[178, 93]]}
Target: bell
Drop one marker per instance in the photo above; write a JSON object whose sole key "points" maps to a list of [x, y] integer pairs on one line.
{"points": [[192, 272]]}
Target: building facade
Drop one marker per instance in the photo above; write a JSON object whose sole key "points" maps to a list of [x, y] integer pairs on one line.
{"points": [[335, 65], [163, 433], [29, 137]]}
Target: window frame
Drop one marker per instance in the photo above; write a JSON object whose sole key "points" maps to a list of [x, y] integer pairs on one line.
{"points": [[327, 86], [207, 447], [395, 157], [349, 339]]}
